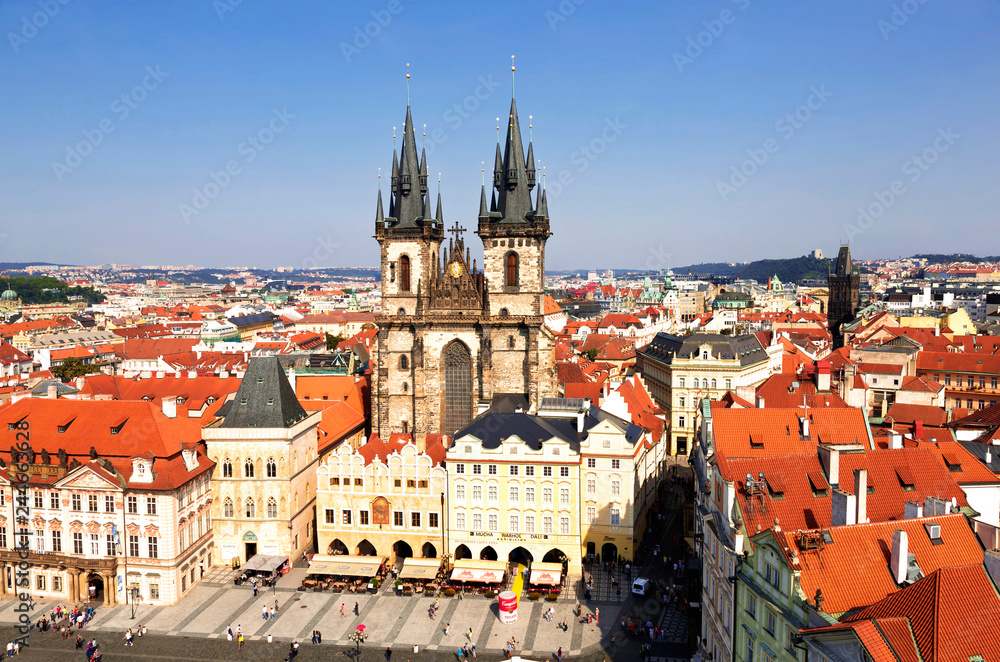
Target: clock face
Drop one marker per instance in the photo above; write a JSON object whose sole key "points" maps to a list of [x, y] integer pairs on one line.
{"points": [[455, 268]]}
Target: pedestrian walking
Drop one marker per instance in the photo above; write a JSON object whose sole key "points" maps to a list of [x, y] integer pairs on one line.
{"points": [[128, 637], [473, 650], [597, 614], [229, 633], [447, 626], [356, 610], [341, 609], [559, 654], [272, 613], [275, 605], [469, 634], [255, 589], [263, 612], [239, 644], [388, 655]]}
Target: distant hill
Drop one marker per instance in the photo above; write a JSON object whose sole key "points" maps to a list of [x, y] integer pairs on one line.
{"points": [[17, 266], [790, 270], [940, 258], [45, 289]]}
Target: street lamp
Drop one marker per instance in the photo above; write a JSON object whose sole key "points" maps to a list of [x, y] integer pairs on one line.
{"points": [[134, 591], [357, 637]]}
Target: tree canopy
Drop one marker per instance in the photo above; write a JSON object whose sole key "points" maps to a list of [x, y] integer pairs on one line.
{"points": [[46, 289]]}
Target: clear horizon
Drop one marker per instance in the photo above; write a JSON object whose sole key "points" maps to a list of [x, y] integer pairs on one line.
{"points": [[727, 132]]}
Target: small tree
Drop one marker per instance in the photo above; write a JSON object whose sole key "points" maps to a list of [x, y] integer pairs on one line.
{"points": [[72, 368], [332, 341], [592, 353]]}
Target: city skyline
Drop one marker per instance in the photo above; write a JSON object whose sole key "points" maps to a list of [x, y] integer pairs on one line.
{"points": [[869, 125]]}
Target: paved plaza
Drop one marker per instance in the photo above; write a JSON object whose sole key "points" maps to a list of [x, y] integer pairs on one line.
{"points": [[195, 629]]}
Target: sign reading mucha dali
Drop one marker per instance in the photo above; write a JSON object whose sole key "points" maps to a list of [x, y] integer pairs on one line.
{"points": [[381, 511]]}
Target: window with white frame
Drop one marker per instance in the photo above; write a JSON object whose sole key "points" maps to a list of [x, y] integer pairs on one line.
{"points": [[591, 486], [547, 471], [493, 521], [513, 524], [529, 523], [494, 493], [564, 526], [616, 487], [564, 472], [514, 470], [616, 518], [591, 515], [460, 492], [513, 494], [477, 493], [546, 495], [529, 494], [477, 522], [547, 524], [460, 521], [564, 496], [616, 464]]}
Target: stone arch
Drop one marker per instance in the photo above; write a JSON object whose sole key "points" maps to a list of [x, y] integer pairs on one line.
{"points": [[337, 547], [488, 554], [511, 269], [462, 552], [428, 551], [365, 548]]}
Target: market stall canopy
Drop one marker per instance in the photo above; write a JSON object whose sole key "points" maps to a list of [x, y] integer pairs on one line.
{"points": [[262, 563], [414, 568], [545, 573], [470, 570], [348, 566]]}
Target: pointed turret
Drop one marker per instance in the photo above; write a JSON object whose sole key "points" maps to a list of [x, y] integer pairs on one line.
{"points": [[493, 201], [484, 213], [379, 217], [498, 169], [427, 208], [529, 166], [423, 171], [543, 207], [439, 216]]}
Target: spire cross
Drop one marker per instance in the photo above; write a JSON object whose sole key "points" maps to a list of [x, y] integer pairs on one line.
{"points": [[457, 230]]}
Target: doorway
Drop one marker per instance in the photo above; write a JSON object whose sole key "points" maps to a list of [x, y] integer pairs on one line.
{"points": [[251, 549], [95, 587]]}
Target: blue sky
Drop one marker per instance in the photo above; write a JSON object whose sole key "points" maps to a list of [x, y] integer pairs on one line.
{"points": [[116, 115]]}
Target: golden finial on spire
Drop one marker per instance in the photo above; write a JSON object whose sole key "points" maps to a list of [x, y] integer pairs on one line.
{"points": [[380, 179], [529, 127], [424, 145], [394, 139], [512, 76], [498, 130], [484, 172], [407, 84]]}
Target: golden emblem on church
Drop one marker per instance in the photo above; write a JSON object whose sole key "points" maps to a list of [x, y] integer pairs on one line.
{"points": [[455, 268]]}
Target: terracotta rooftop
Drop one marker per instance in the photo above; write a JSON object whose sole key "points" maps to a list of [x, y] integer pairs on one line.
{"points": [[769, 432]]}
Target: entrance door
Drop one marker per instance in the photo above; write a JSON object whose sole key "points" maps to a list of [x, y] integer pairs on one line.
{"points": [[251, 550]]}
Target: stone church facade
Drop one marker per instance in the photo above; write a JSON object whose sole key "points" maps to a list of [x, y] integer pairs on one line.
{"points": [[452, 336]]}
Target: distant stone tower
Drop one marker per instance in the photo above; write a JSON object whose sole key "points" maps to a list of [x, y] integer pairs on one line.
{"points": [[845, 295]]}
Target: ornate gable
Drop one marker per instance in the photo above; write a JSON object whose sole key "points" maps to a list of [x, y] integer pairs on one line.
{"points": [[454, 285], [85, 478]]}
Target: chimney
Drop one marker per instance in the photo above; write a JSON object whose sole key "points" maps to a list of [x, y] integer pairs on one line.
{"points": [[913, 510], [861, 492], [895, 440], [579, 422], [52, 392], [421, 443], [291, 377], [830, 459], [80, 381], [918, 429], [989, 456], [804, 420], [586, 405], [822, 375], [843, 508], [169, 403], [900, 556], [760, 402]]}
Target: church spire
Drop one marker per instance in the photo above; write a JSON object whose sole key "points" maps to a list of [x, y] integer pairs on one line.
{"points": [[408, 185], [439, 216], [514, 187], [379, 217], [484, 213]]}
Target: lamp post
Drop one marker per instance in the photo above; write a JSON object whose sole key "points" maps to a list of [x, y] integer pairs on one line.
{"points": [[135, 598], [357, 637]]}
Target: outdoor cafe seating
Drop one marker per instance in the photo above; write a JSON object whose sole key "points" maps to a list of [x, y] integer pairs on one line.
{"points": [[351, 574], [265, 569]]}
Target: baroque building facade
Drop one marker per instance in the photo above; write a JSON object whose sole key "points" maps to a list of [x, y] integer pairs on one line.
{"points": [[451, 335]]}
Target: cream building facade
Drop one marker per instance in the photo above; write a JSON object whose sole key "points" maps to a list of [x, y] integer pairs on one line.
{"points": [[680, 371], [384, 499], [265, 447]]}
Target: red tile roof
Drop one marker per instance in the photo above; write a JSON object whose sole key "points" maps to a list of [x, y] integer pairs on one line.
{"points": [[789, 497], [195, 392], [784, 390], [880, 368], [142, 428], [769, 432], [897, 476], [551, 307], [937, 607], [317, 391], [987, 364], [150, 349], [906, 413], [339, 420], [863, 551], [10, 354]]}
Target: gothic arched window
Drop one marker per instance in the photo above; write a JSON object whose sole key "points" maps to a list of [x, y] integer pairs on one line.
{"points": [[457, 386], [404, 273], [272, 508], [227, 507], [251, 508], [272, 468], [248, 468], [227, 468], [404, 363], [511, 267]]}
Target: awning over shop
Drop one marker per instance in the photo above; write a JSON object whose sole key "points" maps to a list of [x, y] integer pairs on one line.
{"points": [[262, 563], [487, 572], [347, 566], [545, 574], [414, 568]]}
